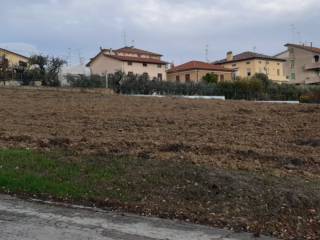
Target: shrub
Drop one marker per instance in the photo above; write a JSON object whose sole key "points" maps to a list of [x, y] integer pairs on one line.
{"points": [[210, 78], [259, 87], [83, 81], [311, 96]]}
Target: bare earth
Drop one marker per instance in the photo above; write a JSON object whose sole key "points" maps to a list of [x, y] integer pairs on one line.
{"points": [[243, 139], [241, 135]]}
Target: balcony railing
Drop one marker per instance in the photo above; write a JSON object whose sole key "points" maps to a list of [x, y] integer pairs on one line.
{"points": [[313, 66]]}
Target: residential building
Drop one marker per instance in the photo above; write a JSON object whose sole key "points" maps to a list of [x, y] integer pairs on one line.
{"points": [[194, 71], [10, 58], [247, 64], [129, 60], [302, 64]]}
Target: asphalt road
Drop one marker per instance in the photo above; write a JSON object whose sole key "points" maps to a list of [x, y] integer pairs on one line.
{"points": [[24, 220]]}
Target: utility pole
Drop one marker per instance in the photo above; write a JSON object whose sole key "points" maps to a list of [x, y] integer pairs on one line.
{"points": [[107, 81]]}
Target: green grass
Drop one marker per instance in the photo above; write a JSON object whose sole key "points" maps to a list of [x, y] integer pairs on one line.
{"points": [[257, 201], [54, 174]]}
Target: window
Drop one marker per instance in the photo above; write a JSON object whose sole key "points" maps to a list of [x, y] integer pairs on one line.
{"points": [[145, 74], [221, 77], [293, 76], [22, 64], [248, 62], [248, 72], [316, 58], [278, 64], [260, 62], [130, 73], [188, 78], [292, 64], [267, 62], [178, 78], [234, 65], [159, 66], [160, 76], [145, 64], [130, 63], [278, 72], [4, 61]]}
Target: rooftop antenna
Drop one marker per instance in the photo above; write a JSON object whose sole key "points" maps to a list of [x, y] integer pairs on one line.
{"points": [[299, 37], [80, 57], [207, 53], [133, 42], [125, 38], [69, 57], [293, 32]]}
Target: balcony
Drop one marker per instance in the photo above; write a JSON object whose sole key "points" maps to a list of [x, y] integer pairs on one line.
{"points": [[312, 66]]}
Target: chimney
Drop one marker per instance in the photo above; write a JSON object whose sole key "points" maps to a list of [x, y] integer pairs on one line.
{"points": [[311, 44], [229, 56]]}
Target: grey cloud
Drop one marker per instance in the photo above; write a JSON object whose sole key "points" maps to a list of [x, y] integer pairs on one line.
{"points": [[180, 29]]}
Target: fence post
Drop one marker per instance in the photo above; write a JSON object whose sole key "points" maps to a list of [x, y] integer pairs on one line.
{"points": [[107, 83]]}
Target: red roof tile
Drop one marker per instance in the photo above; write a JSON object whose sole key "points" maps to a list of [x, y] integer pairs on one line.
{"points": [[136, 51], [136, 59], [127, 58], [197, 65]]}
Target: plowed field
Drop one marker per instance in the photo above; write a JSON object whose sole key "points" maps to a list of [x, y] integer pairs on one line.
{"points": [[255, 139]]}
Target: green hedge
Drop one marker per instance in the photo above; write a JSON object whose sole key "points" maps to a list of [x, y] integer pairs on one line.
{"points": [[259, 87]]}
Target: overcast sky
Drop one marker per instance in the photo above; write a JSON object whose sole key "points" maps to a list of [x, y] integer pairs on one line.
{"points": [[178, 29]]}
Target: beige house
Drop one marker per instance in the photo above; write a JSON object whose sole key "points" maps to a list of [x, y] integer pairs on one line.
{"points": [[302, 64], [129, 60], [248, 64], [12, 59], [194, 71]]}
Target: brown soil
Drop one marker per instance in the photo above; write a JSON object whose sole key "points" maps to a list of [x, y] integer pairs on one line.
{"points": [[278, 139], [241, 135]]}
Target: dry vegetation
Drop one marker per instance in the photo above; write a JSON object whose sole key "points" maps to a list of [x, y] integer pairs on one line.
{"points": [[261, 161]]}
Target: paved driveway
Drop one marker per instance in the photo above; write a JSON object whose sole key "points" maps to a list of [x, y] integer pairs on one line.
{"points": [[22, 220]]}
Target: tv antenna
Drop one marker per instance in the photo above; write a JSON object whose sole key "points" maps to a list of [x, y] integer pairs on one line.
{"points": [[125, 38], [69, 57], [207, 53], [299, 38], [293, 32], [81, 61]]}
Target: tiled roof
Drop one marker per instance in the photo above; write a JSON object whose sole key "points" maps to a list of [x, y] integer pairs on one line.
{"points": [[308, 48], [136, 51], [248, 56], [136, 59], [5, 50], [128, 59], [197, 65]]}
